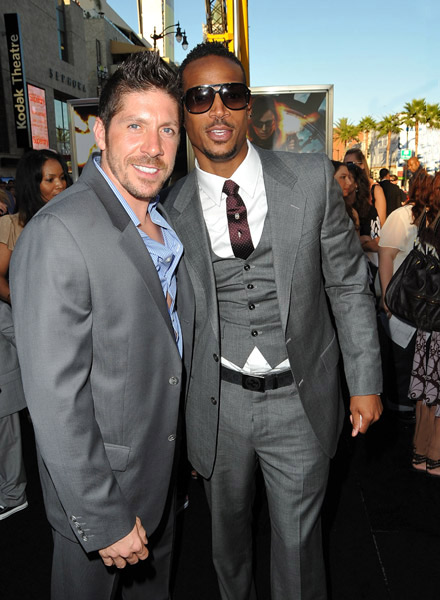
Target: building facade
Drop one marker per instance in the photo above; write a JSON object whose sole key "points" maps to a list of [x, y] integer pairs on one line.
{"points": [[52, 51]]}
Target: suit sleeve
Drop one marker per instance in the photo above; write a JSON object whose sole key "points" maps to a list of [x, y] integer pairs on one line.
{"points": [[53, 318], [346, 282]]}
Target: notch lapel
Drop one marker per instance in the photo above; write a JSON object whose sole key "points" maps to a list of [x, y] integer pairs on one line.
{"points": [[286, 205], [187, 217], [130, 241]]}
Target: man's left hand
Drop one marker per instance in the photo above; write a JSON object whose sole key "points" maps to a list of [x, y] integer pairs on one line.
{"points": [[365, 410]]}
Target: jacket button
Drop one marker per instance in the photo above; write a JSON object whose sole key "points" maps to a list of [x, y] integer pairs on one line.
{"points": [[215, 357], [173, 380], [246, 267], [171, 437], [213, 401], [251, 306], [250, 286], [254, 333], [85, 538]]}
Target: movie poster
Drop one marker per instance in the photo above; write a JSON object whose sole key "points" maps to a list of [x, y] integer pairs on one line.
{"points": [[293, 119]]}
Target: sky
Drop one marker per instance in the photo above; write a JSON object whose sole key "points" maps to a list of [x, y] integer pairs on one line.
{"points": [[378, 54]]}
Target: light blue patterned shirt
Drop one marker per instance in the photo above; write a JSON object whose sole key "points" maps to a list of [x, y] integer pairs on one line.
{"points": [[165, 256]]}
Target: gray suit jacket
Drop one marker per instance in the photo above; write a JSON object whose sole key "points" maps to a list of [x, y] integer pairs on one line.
{"points": [[317, 257], [11, 390], [101, 370]]}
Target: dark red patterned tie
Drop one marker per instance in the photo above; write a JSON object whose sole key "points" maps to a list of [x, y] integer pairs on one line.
{"points": [[239, 231]]}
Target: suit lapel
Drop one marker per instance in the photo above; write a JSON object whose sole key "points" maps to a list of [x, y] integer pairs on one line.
{"points": [[286, 205], [187, 218], [130, 241]]}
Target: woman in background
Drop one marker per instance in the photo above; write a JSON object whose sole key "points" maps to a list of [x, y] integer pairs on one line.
{"points": [[356, 157], [346, 182], [425, 376], [397, 240], [41, 175]]}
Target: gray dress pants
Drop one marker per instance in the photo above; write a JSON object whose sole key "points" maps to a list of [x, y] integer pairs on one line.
{"points": [[271, 429], [12, 473]]}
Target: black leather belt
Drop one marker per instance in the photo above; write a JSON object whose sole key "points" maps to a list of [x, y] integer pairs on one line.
{"points": [[257, 384]]}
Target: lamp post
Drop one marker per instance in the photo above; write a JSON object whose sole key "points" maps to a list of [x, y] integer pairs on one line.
{"points": [[180, 36]]}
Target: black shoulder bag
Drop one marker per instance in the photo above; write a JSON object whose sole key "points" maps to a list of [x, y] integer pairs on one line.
{"points": [[413, 293]]}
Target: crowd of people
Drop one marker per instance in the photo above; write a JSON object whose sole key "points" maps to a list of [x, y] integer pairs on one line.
{"points": [[410, 356], [234, 297]]}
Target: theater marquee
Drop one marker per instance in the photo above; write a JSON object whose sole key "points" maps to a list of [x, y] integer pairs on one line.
{"points": [[18, 80]]}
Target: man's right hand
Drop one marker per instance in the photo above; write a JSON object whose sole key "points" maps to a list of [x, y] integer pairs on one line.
{"points": [[130, 549]]}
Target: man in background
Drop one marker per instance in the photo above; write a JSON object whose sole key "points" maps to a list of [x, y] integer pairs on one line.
{"points": [[394, 196]]}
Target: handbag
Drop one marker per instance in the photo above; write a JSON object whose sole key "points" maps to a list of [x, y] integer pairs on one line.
{"points": [[413, 293]]}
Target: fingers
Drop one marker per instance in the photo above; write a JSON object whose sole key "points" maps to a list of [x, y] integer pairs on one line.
{"points": [[141, 531], [129, 550]]}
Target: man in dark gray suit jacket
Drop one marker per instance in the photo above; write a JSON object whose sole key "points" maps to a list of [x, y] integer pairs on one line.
{"points": [[264, 387], [101, 326]]}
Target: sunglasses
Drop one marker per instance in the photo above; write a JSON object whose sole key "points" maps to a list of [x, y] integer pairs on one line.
{"points": [[198, 100], [349, 163]]}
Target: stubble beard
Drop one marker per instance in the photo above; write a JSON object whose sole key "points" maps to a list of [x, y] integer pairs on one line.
{"points": [[119, 172]]}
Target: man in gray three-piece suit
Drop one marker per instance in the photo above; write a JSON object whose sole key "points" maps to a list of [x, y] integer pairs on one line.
{"points": [[103, 312], [267, 243]]}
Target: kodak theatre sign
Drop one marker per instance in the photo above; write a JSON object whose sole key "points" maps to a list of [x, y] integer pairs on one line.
{"points": [[17, 78]]}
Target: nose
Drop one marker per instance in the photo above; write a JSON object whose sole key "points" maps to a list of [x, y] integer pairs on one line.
{"points": [[218, 109], [152, 143]]}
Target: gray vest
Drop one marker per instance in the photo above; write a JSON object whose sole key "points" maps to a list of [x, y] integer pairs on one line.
{"points": [[248, 305]]}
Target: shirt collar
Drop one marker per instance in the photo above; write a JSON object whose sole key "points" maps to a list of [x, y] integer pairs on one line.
{"points": [[246, 176]]}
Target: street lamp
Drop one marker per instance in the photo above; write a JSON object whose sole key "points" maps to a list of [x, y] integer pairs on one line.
{"points": [[180, 37]]}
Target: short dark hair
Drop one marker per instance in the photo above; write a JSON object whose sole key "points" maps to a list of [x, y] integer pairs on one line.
{"points": [[27, 182], [142, 71], [209, 49], [383, 172]]}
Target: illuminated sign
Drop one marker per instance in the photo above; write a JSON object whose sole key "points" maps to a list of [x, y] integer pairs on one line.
{"points": [[38, 117], [18, 80]]}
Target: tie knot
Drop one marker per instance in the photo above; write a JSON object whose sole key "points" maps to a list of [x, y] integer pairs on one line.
{"points": [[230, 188]]}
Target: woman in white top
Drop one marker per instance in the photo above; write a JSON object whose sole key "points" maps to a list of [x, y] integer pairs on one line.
{"points": [[397, 239]]}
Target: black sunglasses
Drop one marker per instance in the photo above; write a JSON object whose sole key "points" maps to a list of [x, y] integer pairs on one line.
{"points": [[198, 100]]}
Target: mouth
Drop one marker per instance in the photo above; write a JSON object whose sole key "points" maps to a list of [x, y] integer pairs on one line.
{"points": [[219, 133], [146, 170]]}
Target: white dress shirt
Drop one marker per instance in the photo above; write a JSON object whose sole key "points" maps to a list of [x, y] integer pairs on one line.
{"points": [[249, 178]]}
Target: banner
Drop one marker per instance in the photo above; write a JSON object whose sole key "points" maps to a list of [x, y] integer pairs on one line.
{"points": [[18, 80], [38, 117]]}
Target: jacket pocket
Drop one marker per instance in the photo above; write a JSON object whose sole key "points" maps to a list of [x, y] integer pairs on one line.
{"points": [[117, 456]]}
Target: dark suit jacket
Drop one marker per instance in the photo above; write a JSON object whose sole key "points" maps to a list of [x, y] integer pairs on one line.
{"points": [[394, 196], [316, 255], [11, 390], [101, 370]]}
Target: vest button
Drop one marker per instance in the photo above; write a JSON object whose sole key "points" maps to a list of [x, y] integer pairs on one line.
{"points": [[251, 306], [215, 357], [213, 401], [254, 333], [246, 267], [173, 380], [250, 286]]}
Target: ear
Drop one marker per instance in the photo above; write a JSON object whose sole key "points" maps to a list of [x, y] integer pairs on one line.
{"points": [[99, 132]]}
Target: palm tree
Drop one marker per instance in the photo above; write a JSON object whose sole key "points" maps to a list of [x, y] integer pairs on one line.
{"points": [[366, 125], [432, 117], [346, 132], [414, 113], [387, 126]]}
